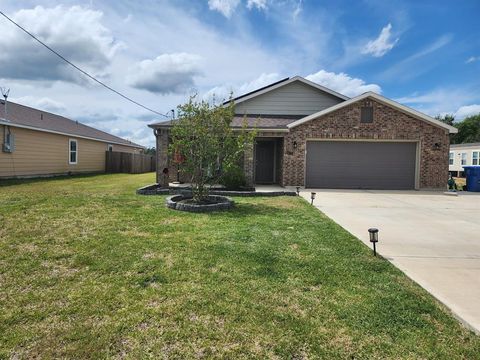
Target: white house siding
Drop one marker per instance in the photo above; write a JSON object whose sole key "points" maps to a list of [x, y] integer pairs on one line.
{"points": [[295, 98], [467, 149]]}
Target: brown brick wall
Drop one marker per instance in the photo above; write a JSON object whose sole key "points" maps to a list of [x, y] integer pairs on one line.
{"points": [[164, 160], [248, 165], [162, 156], [388, 124]]}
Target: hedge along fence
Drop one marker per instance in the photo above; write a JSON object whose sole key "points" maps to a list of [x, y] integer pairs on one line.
{"points": [[122, 162]]}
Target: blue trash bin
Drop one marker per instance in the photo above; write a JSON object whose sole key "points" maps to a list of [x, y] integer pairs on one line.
{"points": [[472, 175]]}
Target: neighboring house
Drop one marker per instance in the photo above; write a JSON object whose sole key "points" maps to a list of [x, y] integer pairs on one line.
{"points": [[462, 155], [38, 143], [311, 136]]}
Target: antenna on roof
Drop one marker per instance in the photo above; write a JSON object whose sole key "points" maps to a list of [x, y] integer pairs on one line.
{"points": [[5, 93]]}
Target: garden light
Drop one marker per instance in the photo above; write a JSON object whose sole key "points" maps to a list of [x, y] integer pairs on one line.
{"points": [[373, 239], [312, 197], [298, 190]]}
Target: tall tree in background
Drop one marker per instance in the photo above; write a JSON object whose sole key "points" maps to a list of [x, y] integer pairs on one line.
{"points": [[150, 151], [448, 119], [468, 130]]}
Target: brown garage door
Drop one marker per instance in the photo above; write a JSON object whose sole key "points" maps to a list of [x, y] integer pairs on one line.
{"points": [[360, 165]]}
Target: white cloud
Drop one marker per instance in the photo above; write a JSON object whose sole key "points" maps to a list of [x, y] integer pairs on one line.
{"points": [[434, 46], [43, 103], [408, 68], [382, 44], [472, 59], [259, 4], [225, 7], [77, 33], [167, 73], [466, 111], [343, 83], [443, 101], [340, 82], [297, 10], [222, 92], [128, 18], [261, 81]]}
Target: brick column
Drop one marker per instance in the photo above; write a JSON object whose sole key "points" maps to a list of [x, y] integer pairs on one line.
{"points": [[248, 165], [162, 156]]}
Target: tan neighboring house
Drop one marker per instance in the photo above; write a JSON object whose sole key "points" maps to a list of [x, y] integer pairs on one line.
{"points": [[39, 143], [462, 155]]}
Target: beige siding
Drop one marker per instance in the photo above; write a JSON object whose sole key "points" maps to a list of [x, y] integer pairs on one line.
{"points": [[295, 98], [457, 156], [41, 153]]}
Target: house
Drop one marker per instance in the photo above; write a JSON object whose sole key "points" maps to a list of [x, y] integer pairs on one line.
{"points": [[309, 135], [461, 155], [38, 143]]}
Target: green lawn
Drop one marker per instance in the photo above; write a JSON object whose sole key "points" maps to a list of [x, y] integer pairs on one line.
{"points": [[89, 269]]}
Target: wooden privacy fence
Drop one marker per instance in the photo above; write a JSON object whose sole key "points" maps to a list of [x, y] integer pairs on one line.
{"points": [[121, 162]]}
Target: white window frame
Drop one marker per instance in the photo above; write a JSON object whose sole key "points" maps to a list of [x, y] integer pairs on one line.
{"points": [[463, 158], [109, 147], [451, 158], [70, 151], [476, 160]]}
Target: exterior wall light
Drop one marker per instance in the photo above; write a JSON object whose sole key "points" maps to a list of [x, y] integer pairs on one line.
{"points": [[298, 190], [373, 239], [312, 197], [295, 145]]}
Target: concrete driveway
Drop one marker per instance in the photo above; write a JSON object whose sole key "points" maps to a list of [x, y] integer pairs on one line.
{"points": [[432, 237]]}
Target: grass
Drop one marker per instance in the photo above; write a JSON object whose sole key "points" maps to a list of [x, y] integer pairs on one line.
{"points": [[89, 269]]}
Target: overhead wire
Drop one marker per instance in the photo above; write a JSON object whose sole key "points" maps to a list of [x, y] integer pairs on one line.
{"points": [[80, 69]]}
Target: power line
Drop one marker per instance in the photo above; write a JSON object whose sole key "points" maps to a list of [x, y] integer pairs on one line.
{"points": [[79, 69]]}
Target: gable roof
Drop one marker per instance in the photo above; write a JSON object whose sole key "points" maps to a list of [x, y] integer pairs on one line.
{"points": [[34, 119], [382, 99], [282, 83], [256, 90]]}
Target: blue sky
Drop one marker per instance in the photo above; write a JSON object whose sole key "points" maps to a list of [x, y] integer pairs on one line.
{"points": [[425, 54]]}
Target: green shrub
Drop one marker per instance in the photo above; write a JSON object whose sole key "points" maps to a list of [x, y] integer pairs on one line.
{"points": [[233, 177]]}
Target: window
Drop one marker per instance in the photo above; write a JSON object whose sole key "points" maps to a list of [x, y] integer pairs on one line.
{"points": [[475, 155], [366, 115], [451, 157], [109, 147], [73, 151], [464, 158]]}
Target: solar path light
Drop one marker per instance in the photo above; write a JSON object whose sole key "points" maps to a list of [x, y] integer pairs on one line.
{"points": [[373, 239]]}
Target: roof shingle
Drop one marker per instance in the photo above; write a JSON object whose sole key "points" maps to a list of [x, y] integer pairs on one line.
{"points": [[34, 118], [252, 121]]}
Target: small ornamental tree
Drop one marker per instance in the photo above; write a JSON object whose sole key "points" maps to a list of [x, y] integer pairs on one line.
{"points": [[203, 136]]}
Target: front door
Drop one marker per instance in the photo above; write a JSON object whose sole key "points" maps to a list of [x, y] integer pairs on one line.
{"points": [[264, 162]]}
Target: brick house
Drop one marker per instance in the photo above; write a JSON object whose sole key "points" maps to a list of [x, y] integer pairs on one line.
{"points": [[311, 136]]}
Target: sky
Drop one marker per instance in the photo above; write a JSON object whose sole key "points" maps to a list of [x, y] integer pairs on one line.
{"points": [[424, 54]]}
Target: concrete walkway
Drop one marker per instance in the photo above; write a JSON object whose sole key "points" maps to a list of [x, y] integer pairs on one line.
{"points": [[432, 237]]}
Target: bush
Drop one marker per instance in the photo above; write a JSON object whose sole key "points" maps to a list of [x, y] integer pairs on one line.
{"points": [[233, 178]]}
